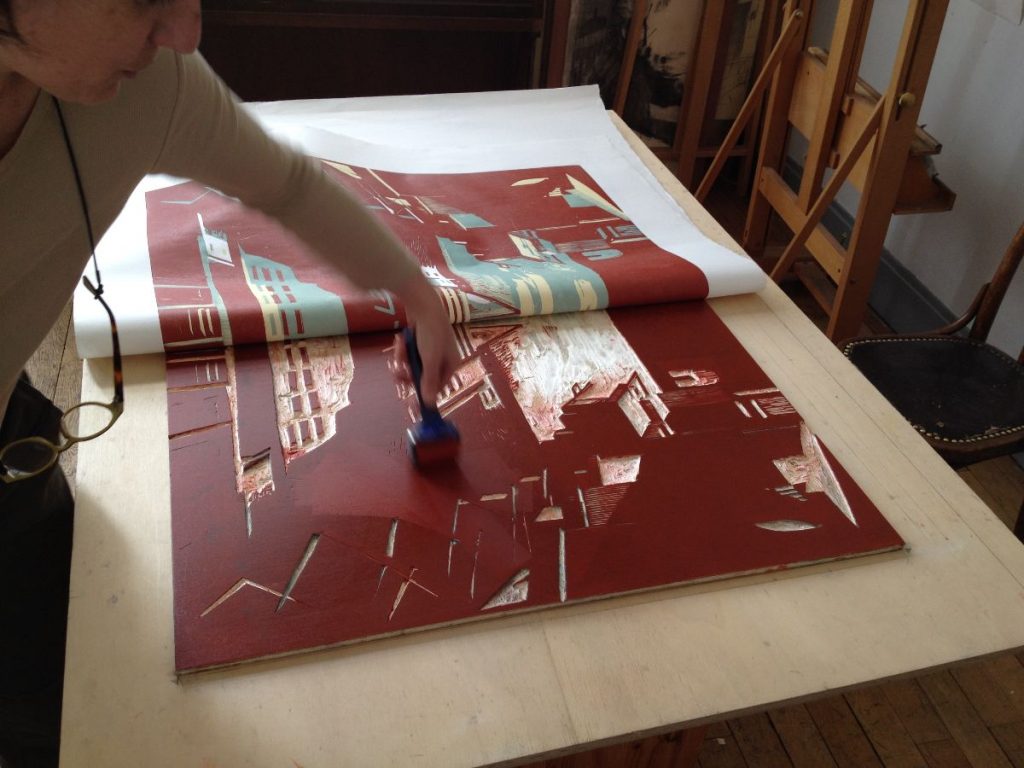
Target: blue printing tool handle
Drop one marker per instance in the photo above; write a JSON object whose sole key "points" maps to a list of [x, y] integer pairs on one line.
{"points": [[428, 413]]}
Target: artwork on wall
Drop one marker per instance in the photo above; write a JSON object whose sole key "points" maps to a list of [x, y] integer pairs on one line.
{"points": [[602, 453], [666, 51]]}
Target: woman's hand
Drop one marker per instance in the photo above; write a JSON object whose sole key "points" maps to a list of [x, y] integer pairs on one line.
{"points": [[435, 338]]}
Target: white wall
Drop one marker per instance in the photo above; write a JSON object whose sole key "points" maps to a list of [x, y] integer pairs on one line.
{"points": [[974, 106]]}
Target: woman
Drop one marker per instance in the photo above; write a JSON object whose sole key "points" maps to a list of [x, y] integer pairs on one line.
{"points": [[100, 93]]}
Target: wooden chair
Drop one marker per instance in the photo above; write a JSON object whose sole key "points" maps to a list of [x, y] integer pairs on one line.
{"points": [[963, 395]]}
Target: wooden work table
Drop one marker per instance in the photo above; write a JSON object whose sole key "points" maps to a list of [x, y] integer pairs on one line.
{"points": [[515, 687]]}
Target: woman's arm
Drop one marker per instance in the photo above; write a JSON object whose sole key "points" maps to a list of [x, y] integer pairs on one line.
{"points": [[217, 143]]}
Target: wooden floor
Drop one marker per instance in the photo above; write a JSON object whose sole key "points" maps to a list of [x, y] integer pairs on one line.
{"points": [[968, 717]]}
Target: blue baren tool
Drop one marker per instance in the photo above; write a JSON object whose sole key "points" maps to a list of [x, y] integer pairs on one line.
{"points": [[433, 439]]}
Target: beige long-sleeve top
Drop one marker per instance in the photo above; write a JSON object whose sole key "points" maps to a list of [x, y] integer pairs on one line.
{"points": [[177, 118]]}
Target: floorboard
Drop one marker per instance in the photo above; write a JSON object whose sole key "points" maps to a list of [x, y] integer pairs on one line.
{"points": [[988, 698], [721, 752], [758, 742], [1011, 739], [963, 721], [945, 754], [911, 706], [846, 739], [889, 737], [801, 738]]}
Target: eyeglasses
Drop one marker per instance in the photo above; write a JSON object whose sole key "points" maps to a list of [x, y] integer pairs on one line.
{"points": [[32, 456]]}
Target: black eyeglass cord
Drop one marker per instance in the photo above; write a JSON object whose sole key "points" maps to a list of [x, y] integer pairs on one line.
{"points": [[81, 194]]}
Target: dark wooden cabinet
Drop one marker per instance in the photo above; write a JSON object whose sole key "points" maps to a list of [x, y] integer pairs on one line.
{"points": [[276, 49]]}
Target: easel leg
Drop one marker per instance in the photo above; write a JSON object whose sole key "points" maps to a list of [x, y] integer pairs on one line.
{"points": [[773, 140], [636, 25]]}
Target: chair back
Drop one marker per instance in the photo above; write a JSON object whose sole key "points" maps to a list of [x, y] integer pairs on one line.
{"points": [[996, 290]]}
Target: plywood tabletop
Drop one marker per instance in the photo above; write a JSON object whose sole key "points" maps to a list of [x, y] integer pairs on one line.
{"points": [[511, 688]]}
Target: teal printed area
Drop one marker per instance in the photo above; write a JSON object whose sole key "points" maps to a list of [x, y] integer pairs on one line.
{"points": [[218, 301], [299, 310], [470, 221], [544, 280]]}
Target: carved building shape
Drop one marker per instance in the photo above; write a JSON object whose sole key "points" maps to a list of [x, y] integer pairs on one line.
{"points": [[813, 469]]}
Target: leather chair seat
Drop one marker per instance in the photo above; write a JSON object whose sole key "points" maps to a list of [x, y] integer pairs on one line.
{"points": [[959, 393]]}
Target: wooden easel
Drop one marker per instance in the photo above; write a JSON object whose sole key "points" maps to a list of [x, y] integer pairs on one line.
{"points": [[872, 140]]}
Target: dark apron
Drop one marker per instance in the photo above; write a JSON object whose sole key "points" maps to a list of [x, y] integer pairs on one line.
{"points": [[36, 520]]}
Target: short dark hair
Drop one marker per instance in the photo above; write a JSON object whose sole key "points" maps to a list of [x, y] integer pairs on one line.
{"points": [[7, 28]]}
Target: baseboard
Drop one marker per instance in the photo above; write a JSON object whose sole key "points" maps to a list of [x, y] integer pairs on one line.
{"points": [[898, 297]]}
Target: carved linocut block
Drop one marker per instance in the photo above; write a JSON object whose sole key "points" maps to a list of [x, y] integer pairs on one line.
{"points": [[602, 453]]}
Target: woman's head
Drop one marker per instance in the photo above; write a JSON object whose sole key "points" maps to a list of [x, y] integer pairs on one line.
{"points": [[81, 50]]}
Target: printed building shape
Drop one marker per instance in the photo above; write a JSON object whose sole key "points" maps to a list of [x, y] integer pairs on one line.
{"points": [[291, 308]]}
